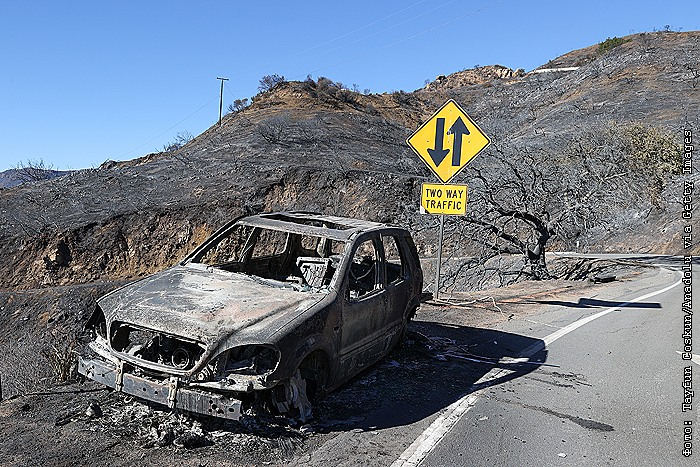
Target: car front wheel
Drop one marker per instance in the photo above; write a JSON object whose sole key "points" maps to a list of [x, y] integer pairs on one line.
{"points": [[308, 383]]}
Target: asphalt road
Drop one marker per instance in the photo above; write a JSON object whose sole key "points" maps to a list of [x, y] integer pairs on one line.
{"points": [[609, 391]]}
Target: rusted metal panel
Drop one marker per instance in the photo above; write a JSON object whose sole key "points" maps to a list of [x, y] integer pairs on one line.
{"points": [[203, 304], [166, 393]]}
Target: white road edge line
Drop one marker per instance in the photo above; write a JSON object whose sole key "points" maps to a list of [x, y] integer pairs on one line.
{"points": [[695, 359], [546, 341], [426, 442]]}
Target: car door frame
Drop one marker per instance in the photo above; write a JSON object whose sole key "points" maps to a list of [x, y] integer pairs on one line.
{"points": [[399, 293], [361, 342]]}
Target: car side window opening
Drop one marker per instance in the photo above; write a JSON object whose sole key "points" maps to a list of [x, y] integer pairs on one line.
{"points": [[364, 271], [269, 243], [393, 258]]}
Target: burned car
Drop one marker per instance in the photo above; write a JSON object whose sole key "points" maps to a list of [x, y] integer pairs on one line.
{"points": [[276, 308]]}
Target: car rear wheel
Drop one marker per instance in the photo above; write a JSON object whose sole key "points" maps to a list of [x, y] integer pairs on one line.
{"points": [[404, 328]]}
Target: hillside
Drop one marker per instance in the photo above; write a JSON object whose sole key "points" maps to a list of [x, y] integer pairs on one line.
{"points": [[313, 146]]}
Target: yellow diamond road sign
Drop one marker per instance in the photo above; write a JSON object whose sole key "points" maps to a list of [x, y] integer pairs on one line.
{"points": [[448, 141]]}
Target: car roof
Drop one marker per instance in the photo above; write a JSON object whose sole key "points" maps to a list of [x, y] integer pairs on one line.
{"points": [[320, 225]]}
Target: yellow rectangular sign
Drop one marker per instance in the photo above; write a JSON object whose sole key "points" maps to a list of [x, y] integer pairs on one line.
{"points": [[444, 199]]}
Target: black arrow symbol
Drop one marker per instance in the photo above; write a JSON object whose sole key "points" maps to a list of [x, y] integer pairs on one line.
{"points": [[458, 129], [439, 153]]}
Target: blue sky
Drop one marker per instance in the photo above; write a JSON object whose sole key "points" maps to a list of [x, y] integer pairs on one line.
{"points": [[87, 81]]}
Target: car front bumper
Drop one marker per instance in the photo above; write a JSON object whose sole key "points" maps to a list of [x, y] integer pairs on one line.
{"points": [[165, 392]]}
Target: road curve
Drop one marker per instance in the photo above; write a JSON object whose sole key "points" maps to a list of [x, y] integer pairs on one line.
{"points": [[614, 397]]}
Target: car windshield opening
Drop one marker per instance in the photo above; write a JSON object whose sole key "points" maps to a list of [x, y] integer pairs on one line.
{"points": [[308, 261]]}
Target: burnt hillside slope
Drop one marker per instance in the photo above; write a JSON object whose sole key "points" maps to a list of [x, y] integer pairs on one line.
{"points": [[313, 146]]}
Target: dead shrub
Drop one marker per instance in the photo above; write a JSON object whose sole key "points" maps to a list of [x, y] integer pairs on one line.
{"points": [[403, 97], [274, 129], [62, 356], [345, 95]]}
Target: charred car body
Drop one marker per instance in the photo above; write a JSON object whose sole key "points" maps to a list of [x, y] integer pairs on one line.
{"points": [[274, 307]]}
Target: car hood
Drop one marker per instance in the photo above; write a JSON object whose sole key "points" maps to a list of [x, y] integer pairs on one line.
{"points": [[206, 304]]}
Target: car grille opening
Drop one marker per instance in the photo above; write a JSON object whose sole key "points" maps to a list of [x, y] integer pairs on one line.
{"points": [[154, 346]]}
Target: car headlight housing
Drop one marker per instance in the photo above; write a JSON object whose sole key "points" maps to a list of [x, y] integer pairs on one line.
{"points": [[256, 360]]}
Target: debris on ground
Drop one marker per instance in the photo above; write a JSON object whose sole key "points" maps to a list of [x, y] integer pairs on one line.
{"points": [[602, 278], [443, 348], [155, 427], [94, 410], [467, 305]]}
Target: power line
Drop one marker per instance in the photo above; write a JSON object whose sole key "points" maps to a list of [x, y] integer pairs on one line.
{"points": [[357, 57], [389, 27], [442, 6], [309, 49], [164, 132], [299, 53]]}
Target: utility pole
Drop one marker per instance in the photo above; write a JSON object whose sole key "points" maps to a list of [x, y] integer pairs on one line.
{"points": [[221, 98]]}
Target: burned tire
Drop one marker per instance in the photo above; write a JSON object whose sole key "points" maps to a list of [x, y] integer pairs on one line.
{"points": [[404, 328], [307, 384], [291, 397]]}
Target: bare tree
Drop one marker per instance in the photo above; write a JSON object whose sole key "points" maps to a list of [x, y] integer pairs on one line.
{"points": [[522, 198], [274, 129], [33, 170], [268, 82], [181, 138], [689, 66]]}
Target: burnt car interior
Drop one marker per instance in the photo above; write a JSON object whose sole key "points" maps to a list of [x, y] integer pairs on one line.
{"points": [[309, 261], [305, 260], [364, 274]]}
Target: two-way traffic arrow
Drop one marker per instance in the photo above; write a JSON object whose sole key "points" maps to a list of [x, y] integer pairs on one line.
{"points": [[443, 135], [439, 153], [458, 129]]}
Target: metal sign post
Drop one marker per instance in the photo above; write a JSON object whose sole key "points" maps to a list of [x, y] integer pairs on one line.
{"points": [[436, 294]]}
